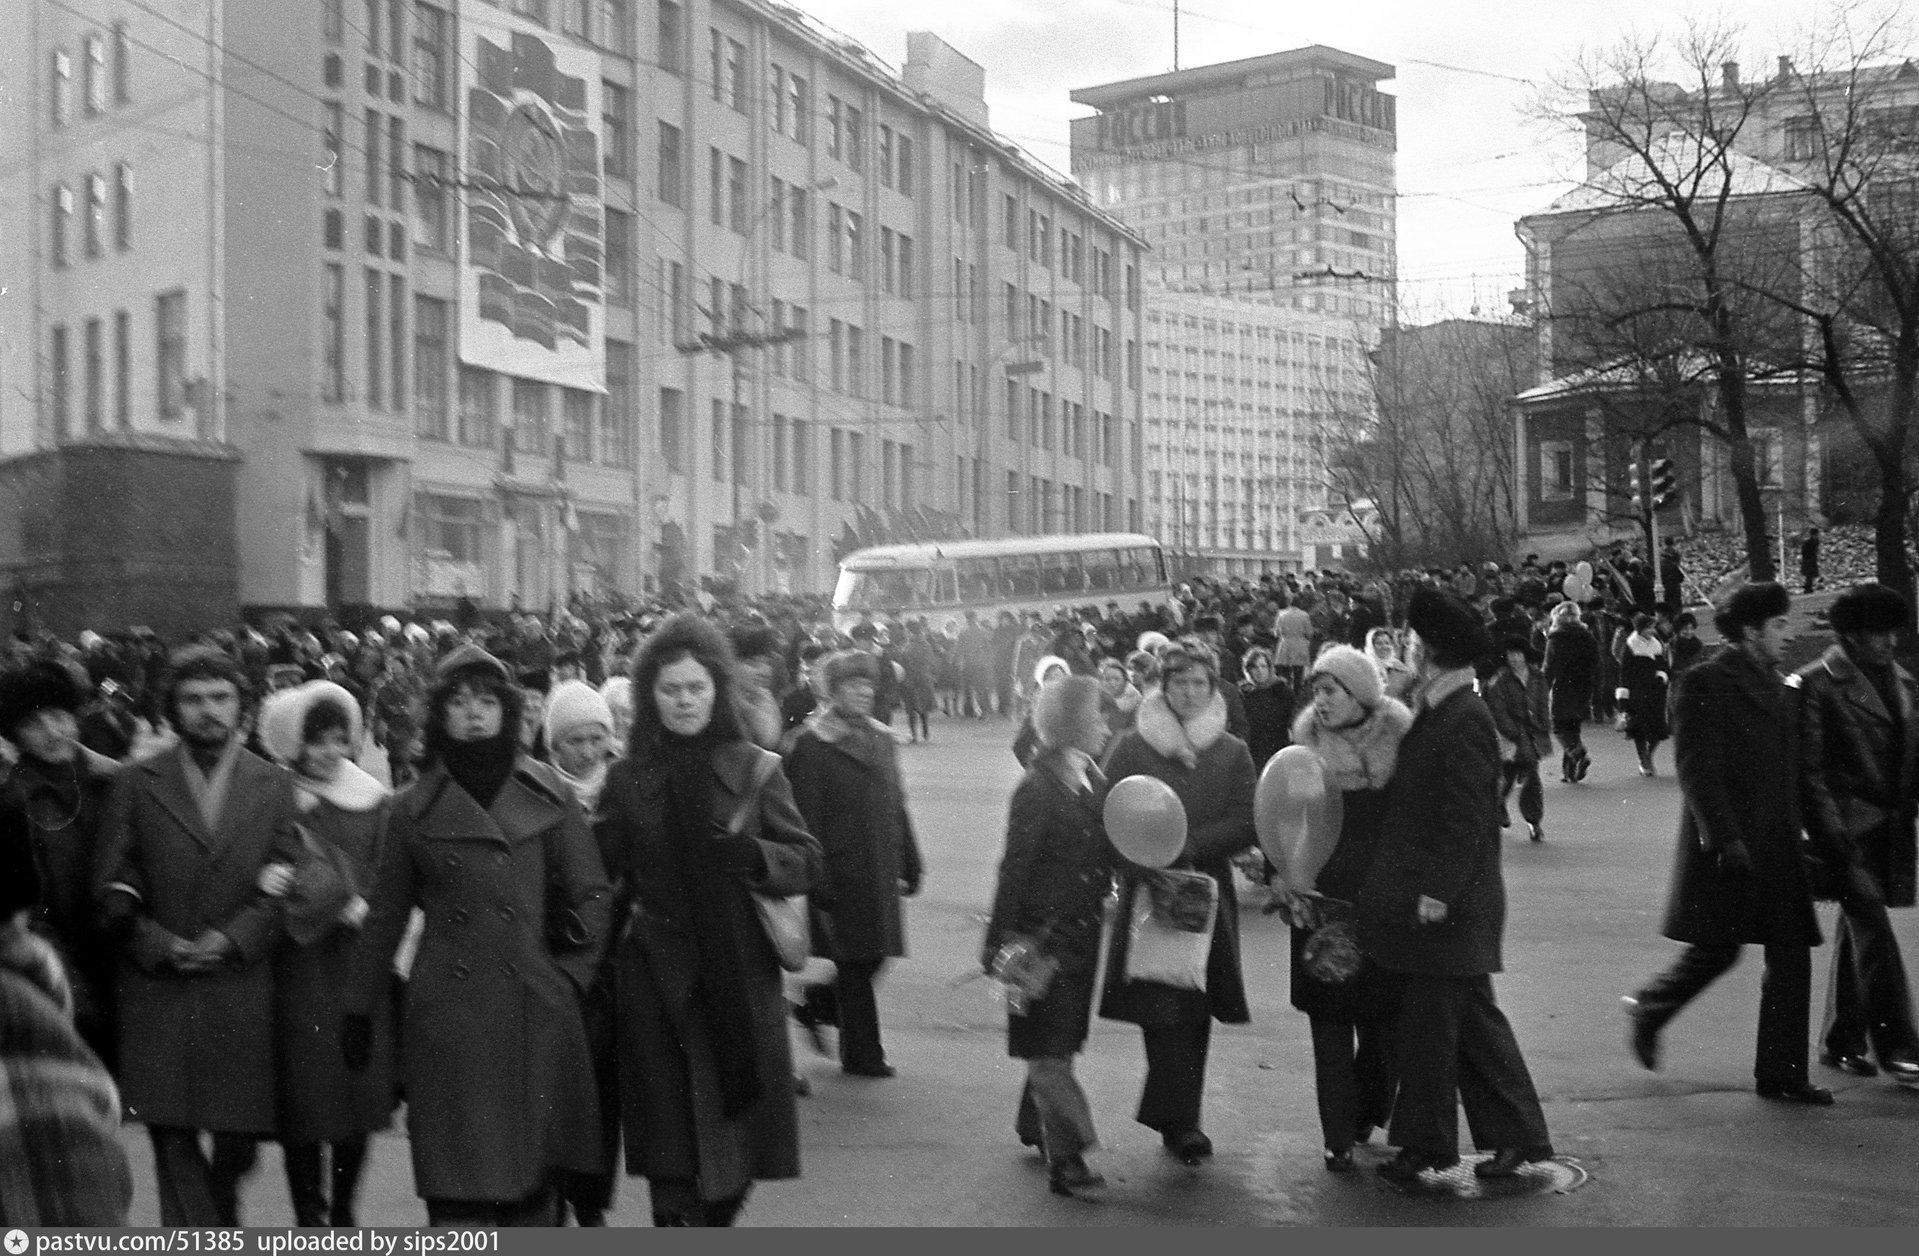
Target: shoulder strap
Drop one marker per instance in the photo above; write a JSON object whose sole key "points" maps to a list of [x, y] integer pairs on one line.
{"points": [[764, 762]]}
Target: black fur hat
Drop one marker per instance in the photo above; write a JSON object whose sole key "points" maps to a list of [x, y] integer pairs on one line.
{"points": [[1752, 604], [1868, 608], [1450, 629], [36, 686]]}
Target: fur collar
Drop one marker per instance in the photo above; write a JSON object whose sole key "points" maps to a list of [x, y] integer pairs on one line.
{"points": [[353, 788], [1645, 647], [1362, 756], [1162, 730], [1442, 686]]}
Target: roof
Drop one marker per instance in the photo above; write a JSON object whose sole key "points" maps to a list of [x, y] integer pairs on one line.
{"points": [[1626, 183], [878, 557], [1106, 95], [1628, 374]]}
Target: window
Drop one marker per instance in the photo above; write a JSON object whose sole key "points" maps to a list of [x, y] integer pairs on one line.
{"points": [[123, 369], [576, 18], [333, 343], [616, 114], [576, 418], [835, 122], [333, 20], [717, 429], [93, 397], [1555, 471], [801, 348], [455, 528], [670, 34], [616, 417], [615, 33], [802, 456], [855, 140], [801, 242], [776, 212], [742, 447], [855, 361], [478, 405], [886, 259], [530, 408], [1010, 226], [430, 232], [60, 381], [886, 155], [619, 259], [736, 75], [855, 247], [799, 101], [94, 75], [96, 213], [673, 430], [671, 184], [836, 353], [122, 66], [673, 292], [736, 194], [122, 206], [375, 355], [431, 417], [396, 165], [779, 453], [396, 339], [62, 86], [887, 357], [170, 352], [396, 30], [715, 187], [776, 96], [906, 265], [836, 443], [903, 165], [374, 173], [835, 239], [62, 224], [332, 174]]}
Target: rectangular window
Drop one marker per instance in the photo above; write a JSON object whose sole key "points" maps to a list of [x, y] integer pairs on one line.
{"points": [[576, 18], [619, 259], [801, 349], [333, 336], [855, 246], [375, 174], [60, 382], [430, 411], [395, 30], [715, 187], [836, 446], [776, 96], [779, 453], [907, 380], [375, 355], [93, 387], [836, 341], [855, 361], [123, 65], [123, 369], [885, 155], [886, 259], [776, 213], [855, 139], [170, 352], [96, 213], [835, 239], [432, 36], [856, 465], [1010, 226], [530, 411], [61, 225], [673, 430], [430, 229], [799, 99], [122, 206], [616, 414], [333, 172], [742, 447], [736, 194], [454, 528], [736, 75], [716, 433], [903, 164], [675, 295], [906, 265], [1555, 471], [802, 457], [616, 115], [801, 241], [886, 369], [670, 35], [479, 405], [396, 340], [615, 32], [576, 418], [61, 82], [671, 184], [835, 125], [396, 165], [93, 73]]}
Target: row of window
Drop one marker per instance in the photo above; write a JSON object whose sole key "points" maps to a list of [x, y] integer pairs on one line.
{"points": [[104, 396], [93, 222], [384, 26], [106, 73], [498, 410], [1031, 415]]}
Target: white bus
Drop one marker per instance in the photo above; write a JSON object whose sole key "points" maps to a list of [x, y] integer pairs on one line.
{"points": [[942, 579]]}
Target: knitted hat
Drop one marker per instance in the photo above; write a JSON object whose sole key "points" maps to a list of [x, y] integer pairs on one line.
{"points": [[1868, 608], [283, 717], [471, 658], [1752, 604], [847, 665], [1356, 673], [573, 704], [1449, 628], [36, 686]]}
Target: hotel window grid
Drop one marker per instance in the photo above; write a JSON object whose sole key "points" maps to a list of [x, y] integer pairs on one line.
{"points": [[59, 370], [170, 352], [375, 356], [333, 338], [670, 34], [122, 207], [616, 116], [431, 416], [93, 397], [432, 35], [122, 369], [670, 186]]}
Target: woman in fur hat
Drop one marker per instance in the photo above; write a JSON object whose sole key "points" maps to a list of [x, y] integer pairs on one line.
{"points": [[1354, 730], [1180, 738], [1645, 667], [326, 1111]]}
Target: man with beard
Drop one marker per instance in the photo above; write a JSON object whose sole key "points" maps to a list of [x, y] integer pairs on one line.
{"points": [[186, 836]]}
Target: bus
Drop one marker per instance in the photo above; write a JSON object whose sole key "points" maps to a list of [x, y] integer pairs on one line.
{"points": [[941, 579]]}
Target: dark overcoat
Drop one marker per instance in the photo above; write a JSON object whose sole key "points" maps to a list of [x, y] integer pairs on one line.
{"points": [[1054, 876], [197, 1051], [1859, 770], [1644, 677], [1362, 997], [1439, 838], [1520, 713], [493, 1051], [669, 1086], [849, 792], [1217, 793], [1734, 748], [1571, 667]]}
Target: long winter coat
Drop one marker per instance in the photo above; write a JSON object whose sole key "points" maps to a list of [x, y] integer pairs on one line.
{"points": [[1734, 747], [846, 781], [1269, 718], [669, 1090], [1520, 714], [1643, 677], [493, 1051], [1054, 875], [321, 1100], [1859, 768], [1439, 839], [1571, 668], [197, 1051], [1217, 792]]}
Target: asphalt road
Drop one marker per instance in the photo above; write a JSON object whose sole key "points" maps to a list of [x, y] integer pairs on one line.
{"points": [[1691, 1145]]}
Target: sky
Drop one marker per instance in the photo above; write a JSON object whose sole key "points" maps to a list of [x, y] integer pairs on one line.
{"points": [[1477, 82]]}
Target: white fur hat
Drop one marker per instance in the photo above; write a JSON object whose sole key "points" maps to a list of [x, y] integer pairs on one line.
{"points": [[284, 713], [571, 704], [1356, 672]]}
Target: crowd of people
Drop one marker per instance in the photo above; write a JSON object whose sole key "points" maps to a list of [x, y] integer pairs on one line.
{"points": [[271, 883]]}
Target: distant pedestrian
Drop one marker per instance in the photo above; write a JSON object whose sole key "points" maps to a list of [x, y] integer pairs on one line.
{"points": [[1672, 577], [1516, 697], [1809, 559], [1645, 669], [1572, 664]]}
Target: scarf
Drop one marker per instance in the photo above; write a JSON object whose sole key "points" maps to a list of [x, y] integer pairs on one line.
{"points": [[1358, 756], [720, 997], [585, 788], [209, 789], [481, 768], [1645, 647], [352, 788], [1163, 731]]}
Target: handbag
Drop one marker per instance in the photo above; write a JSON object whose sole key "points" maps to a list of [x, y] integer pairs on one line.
{"points": [[1331, 954], [783, 917], [1171, 931]]}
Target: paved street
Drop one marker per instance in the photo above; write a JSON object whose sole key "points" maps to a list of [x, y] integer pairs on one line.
{"points": [[1691, 1145]]}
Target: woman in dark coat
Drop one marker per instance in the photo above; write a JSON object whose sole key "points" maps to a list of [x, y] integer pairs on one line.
{"points": [[694, 821], [1269, 706], [1644, 668], [1572, 664], [496, 852], [326, 1110], [844, 766], [1354, 730], [1053, 879], [1180, 738]]}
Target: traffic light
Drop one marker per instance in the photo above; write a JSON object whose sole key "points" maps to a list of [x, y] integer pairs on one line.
{"points": [[1663, 483], [1636, 493]]}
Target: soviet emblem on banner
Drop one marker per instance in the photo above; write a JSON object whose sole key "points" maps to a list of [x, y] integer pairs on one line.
{"points": [[533, 223]]}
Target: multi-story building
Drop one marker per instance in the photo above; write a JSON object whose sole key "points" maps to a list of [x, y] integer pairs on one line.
{"points": [[1241, 401], [1266, 190], [390, 302]]}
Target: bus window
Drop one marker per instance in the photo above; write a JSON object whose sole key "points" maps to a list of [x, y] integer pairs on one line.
{"points": [[978, 579], [1021, 572], [945, 591], [1102, 569]]}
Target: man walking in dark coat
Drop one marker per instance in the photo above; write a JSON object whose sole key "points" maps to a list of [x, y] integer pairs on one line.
{"points": [[1739, 875], [183, 842], [1809, 559], [1859, 748]]}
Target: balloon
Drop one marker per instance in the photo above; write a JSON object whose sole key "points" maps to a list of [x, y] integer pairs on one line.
{"points": [[1292, 784], [1575, 589], [1146, 821], [1585, 573]]}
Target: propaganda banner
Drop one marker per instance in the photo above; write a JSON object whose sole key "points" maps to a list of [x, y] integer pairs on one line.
{"points": [[532, 286]]}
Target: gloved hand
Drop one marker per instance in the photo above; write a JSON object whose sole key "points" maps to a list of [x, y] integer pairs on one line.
{"points": [[356, 1042], [1733, 858]]}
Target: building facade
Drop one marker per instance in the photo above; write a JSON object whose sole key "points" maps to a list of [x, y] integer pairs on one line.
{"points": [[516, 301]]}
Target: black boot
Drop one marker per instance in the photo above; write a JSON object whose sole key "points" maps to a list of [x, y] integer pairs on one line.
{"points": [[303, 1183], [349, 1160]]}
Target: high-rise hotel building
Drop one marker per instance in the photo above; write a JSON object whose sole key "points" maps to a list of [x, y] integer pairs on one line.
{"points": [[382, 303]]}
